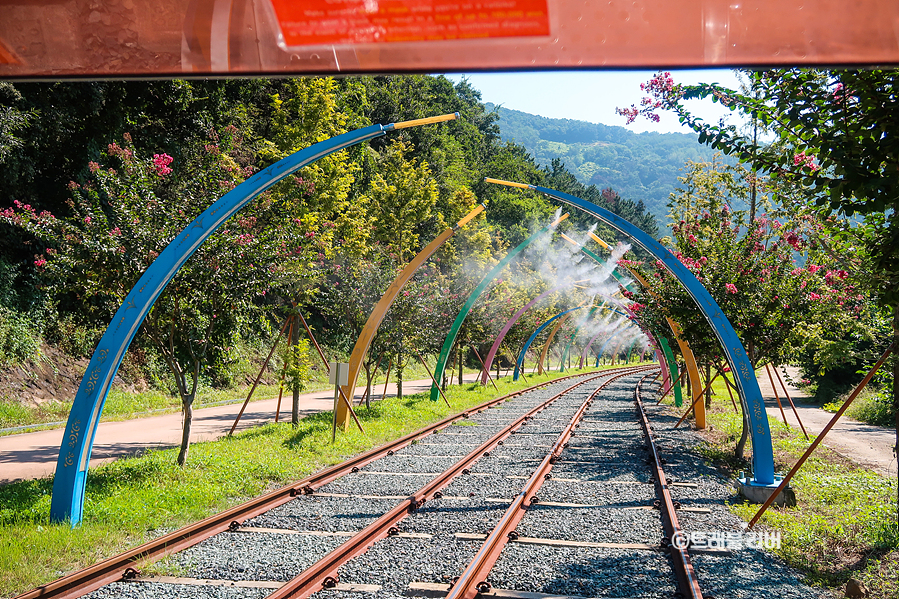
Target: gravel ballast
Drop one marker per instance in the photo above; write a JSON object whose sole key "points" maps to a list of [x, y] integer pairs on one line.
{"points": [[603, 477]]}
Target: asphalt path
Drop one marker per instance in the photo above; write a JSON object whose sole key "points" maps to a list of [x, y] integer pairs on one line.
{"points": [[33, 455], [867, 445]]}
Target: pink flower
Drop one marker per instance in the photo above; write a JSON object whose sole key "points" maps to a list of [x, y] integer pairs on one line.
{"points": [[805, 160], [161, 163], [87, 220], [40, 262], [116, 231], [814, 296], [731, 288]]}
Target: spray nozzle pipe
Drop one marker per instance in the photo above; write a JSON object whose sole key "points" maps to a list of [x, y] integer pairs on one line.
{"points": [[467, 218], [419, 122], [558, 220], [596, 238]]}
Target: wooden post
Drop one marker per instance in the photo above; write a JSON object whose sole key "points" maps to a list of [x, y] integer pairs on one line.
{"points": [[258, 377]]}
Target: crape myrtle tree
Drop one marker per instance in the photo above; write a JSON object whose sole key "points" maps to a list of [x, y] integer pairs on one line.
{"points": [[125, 215], [778, 287], [836, 143]]}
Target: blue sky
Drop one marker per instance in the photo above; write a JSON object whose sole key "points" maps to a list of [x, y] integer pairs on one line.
{"points": [[592, 95]]}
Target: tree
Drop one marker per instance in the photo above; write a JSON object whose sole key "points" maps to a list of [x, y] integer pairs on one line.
{"points": [[124, 216], [402, 196], [836, 143], [777, 287]]}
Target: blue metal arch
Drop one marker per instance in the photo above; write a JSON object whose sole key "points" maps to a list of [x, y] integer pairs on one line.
{"points": [[74, 455], [609, 340], [750, 394], [527, 345]]}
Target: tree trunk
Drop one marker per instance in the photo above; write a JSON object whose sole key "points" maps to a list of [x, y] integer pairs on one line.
{"points": [[187, 410], [399, 375], [741, 444], [295, 406], [460, 356], [708, 389]]}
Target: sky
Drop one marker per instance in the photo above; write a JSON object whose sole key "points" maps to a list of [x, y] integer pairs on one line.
{"points": [[593, 95]]}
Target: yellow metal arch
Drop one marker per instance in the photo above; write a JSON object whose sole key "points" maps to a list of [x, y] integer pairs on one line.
{"points": [[380, 310]]}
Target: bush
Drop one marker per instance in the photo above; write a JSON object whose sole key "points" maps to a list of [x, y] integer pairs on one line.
{"points": [[19, 339]]}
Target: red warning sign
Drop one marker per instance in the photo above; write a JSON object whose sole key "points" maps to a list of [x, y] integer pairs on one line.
{"points": [[313, 22]]}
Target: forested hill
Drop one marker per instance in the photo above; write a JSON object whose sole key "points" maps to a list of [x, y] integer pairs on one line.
{"points": [[639, 166]]}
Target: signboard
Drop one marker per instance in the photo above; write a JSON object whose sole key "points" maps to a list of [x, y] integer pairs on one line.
{"points": [[340, 373], [315, 22]]}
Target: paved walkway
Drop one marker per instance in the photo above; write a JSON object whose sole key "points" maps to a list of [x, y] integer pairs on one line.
{"points": [[864, 444], [33, 455]]}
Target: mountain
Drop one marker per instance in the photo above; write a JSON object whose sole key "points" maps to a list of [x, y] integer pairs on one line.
{"points": [[639, 166]]}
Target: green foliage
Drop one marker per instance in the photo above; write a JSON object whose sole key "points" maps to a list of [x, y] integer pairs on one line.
{"points": [[402, 196], [297, 366], [640, 166], [18, 339], [778, 291]]}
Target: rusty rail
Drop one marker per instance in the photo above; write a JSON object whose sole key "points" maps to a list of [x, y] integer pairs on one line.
{"points": [[324, 573], [683, 568], [121, 567], [474, 578]]}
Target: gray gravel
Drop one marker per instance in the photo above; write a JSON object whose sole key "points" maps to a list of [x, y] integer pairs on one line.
{"points": [[329, 514], [254, 556], [605, 464], [584, 572], [145, 590]]}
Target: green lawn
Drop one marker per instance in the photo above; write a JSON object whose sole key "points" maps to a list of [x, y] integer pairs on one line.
{"points": [[132, 500]]}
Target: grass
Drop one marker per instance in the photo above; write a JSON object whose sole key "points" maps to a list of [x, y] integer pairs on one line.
{"points": [[122, 405], [871, 406], [844, 525], [132, 500]]}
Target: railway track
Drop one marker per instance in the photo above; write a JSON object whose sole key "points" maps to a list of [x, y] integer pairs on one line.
{"points": [[451, 510]]}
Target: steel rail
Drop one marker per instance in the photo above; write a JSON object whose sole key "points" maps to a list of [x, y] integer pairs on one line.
{"points": [[683, 568], [324, 573], [473, 579], [122, 566]]}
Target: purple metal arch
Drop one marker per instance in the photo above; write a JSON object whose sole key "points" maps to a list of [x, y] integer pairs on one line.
{"points": [[488, 360]]}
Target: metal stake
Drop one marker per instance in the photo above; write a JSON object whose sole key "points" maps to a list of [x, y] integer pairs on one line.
{"points": [[792, 405], [258, 378], [483, 366], [776, 396], [420, 359], [820, 437]]}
